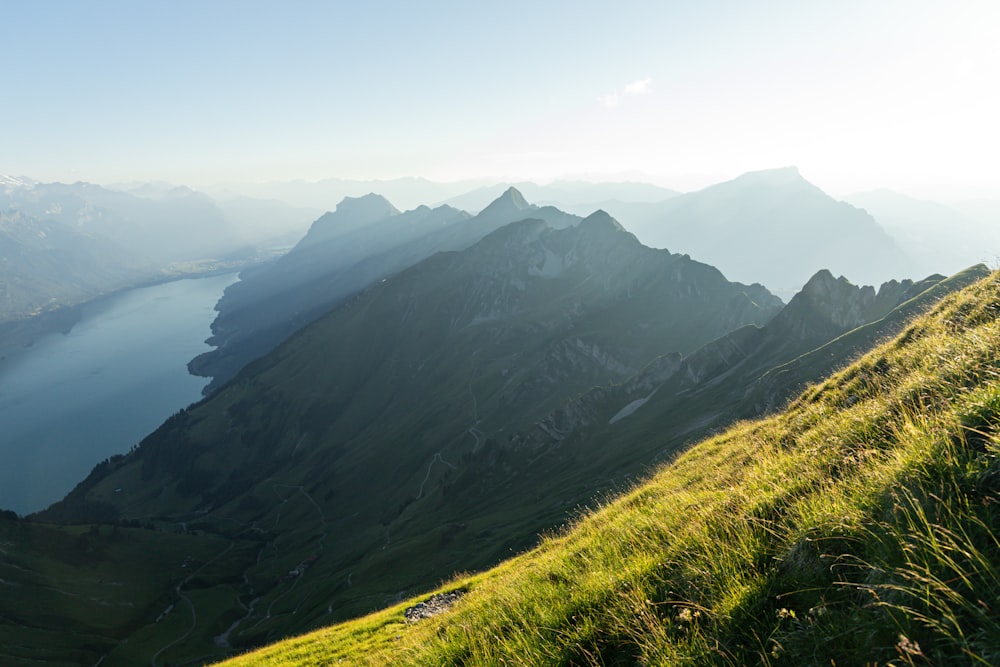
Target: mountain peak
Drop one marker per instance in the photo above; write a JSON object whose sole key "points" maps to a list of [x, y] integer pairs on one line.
{"points": [[510, 200], [838, 300], [600, 220], [824, 285], [822, 280], [370, 206], [781, 182], [513, 197], [777, 176]]}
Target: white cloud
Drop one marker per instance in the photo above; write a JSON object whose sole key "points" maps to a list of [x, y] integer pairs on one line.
{"points": [[639, 87]]}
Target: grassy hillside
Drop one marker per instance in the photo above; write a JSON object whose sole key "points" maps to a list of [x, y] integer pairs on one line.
{"points": [[857, 527]]}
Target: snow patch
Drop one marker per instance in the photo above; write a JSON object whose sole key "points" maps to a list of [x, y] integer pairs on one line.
{"points": [[630, 408]]}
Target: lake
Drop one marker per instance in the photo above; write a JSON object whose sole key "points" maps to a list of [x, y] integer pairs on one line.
{"points": [[74, 399]]}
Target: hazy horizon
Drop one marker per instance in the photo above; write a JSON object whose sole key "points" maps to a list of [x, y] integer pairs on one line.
{"points": [[896, 95]]}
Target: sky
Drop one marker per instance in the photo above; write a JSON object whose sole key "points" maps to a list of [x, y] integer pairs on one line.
{"points": [[858, 94]]}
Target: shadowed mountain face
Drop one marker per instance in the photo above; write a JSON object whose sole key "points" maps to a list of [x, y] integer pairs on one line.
{"points": [[773, 227], [365, 240]]}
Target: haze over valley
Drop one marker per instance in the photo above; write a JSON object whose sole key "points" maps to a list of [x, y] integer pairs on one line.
{"points": [[654, 334]]}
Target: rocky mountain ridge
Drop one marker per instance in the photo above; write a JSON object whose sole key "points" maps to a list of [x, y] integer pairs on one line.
{"points": [[340, 256]]}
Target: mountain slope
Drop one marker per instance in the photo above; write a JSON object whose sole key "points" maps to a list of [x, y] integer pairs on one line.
{"points": [[362, 242], [859, 526], [773, 227]]}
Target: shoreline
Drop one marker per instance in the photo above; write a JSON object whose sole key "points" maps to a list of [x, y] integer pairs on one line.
{"points": [[19, 336]]}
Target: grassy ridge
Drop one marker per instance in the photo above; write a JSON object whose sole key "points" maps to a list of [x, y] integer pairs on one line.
{"points": [[858, 527]]}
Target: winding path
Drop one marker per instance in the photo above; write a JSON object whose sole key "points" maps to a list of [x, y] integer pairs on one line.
{"points": [[194, 612], [436, 457]]}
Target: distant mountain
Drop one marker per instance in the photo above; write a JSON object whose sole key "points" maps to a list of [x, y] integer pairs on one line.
{"points": [[159, 224], [324, 194], [365, 240], [44, 264], [579, 197], [9, 183], [266, 223], [183, 225], [772, 227], [351, 214], [65, 244], [937, 236]]}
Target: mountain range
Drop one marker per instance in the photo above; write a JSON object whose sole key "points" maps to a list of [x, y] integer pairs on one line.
{"points": [[365, 240], [439, 419], [407, 395]]}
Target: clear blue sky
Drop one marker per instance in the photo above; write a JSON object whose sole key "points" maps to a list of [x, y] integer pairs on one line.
{"points": [[858, 94]]}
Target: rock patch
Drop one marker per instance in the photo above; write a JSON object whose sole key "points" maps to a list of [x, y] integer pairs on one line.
{"points": [[434, 605]]}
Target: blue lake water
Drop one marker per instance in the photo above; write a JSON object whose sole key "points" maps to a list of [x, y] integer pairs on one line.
{"points": [[74, 399]]}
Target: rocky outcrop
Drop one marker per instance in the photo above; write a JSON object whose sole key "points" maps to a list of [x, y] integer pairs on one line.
{"points": [[432, 606], [827, 306]]}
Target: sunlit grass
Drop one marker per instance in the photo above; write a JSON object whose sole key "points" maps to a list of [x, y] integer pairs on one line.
{"points": [[858, 527]]}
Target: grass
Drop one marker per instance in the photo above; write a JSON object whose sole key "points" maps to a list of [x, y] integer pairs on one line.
{"points": [[857, 527]]}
